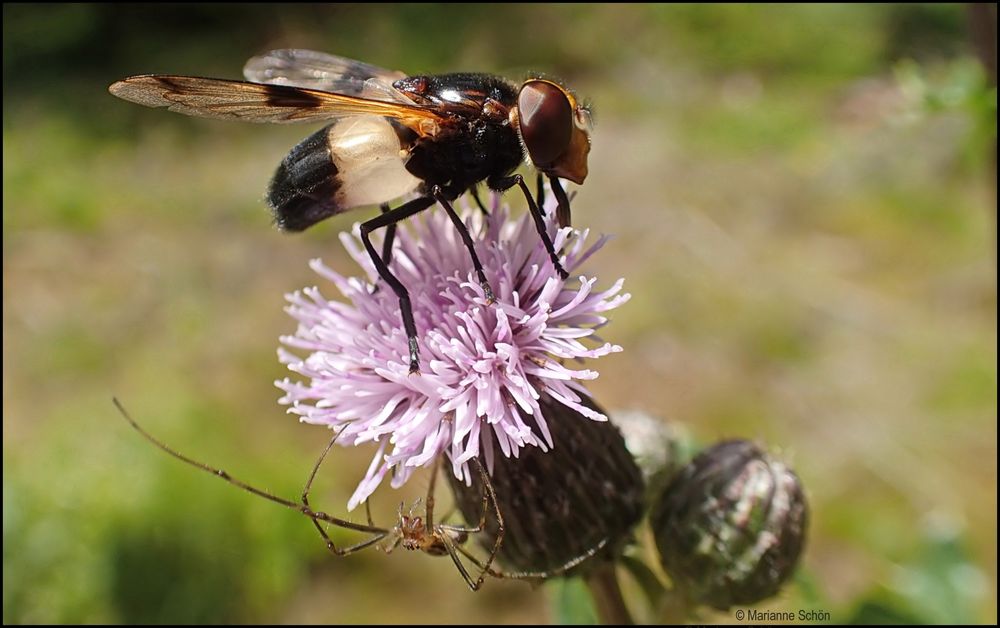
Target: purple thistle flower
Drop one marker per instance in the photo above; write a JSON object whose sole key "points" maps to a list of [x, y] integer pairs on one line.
{"points": [[484, 366]]}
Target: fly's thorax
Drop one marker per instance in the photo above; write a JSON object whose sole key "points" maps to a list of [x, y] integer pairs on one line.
{"points": [[474, 140], [466, 152], [464, 94]]}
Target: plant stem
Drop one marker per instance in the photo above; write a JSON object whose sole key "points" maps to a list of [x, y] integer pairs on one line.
{"points": [[675, 608], [607, 595]]}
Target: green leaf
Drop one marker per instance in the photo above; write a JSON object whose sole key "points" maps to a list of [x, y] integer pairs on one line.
{"points": [[571, 603], [877, 613], [942, 586]]}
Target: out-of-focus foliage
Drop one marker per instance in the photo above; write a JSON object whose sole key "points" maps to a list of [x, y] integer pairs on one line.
{"points": [[941, 586], [571, 603], [962, 87], [804, 208]]}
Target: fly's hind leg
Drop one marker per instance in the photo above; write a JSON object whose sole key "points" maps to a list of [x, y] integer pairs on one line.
{"points": [[387, 219], [390, 236]]}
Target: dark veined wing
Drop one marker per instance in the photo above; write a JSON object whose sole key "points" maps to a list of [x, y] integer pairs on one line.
{"points": [[252, 102], [318, 70]]}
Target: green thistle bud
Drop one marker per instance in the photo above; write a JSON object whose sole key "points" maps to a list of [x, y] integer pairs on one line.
{"points": [[731, 525], [586, 492], [658, 447]]}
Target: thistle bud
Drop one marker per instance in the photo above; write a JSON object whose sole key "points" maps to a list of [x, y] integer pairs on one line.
{"points": [[659, 447], [731, 525], [585, 493]]}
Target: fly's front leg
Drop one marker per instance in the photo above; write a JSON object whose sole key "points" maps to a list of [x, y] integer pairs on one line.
{"points": [[562, 210], [439, 195], [475, 196], [505, 184], [540, 186], [387, 219]]}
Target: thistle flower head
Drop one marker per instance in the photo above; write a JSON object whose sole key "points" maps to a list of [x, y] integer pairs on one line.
{"points": [[578, 502], [484, 367], [731, 525]]}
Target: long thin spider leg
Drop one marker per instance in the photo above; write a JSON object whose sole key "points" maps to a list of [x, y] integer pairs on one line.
{"points": [[509, 182], [562, 210], [439, 195], [451, 547], [396, 540], [330, 545], [537, 575], [315, 469], [486, 507], [243, 485], [389, 218], [350, 549], [448, 515], [468, 529], [429, 508], [488, 487]]}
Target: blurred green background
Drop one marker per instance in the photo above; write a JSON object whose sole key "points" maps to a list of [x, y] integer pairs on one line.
{"points": [[803, 199]]}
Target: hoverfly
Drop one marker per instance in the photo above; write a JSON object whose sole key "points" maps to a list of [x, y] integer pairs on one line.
{"points": [[391, 135]]}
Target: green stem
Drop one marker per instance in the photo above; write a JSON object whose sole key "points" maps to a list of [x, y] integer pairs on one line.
{"points": [[607, 596], [675, 608]]}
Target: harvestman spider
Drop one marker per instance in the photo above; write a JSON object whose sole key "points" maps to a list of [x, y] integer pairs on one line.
{"points": [[412, 532]]}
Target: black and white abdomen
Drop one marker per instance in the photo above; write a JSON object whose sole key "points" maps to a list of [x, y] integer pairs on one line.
{"points": [[354, 162]]}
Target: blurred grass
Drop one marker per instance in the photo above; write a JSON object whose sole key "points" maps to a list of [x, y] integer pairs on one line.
{"points": [[804, 208]]}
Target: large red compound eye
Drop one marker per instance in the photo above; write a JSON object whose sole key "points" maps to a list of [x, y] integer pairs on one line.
{"points": [[545, 116]]}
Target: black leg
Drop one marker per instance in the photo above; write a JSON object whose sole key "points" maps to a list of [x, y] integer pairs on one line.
{"points": [[540, 185], [509, 182], [390, 237], [562, 212], [474, 191], [391, 217], [467, 239]]}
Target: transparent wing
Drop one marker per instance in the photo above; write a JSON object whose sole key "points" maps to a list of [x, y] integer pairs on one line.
{"points": [[325, 72], [252, 102]]}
